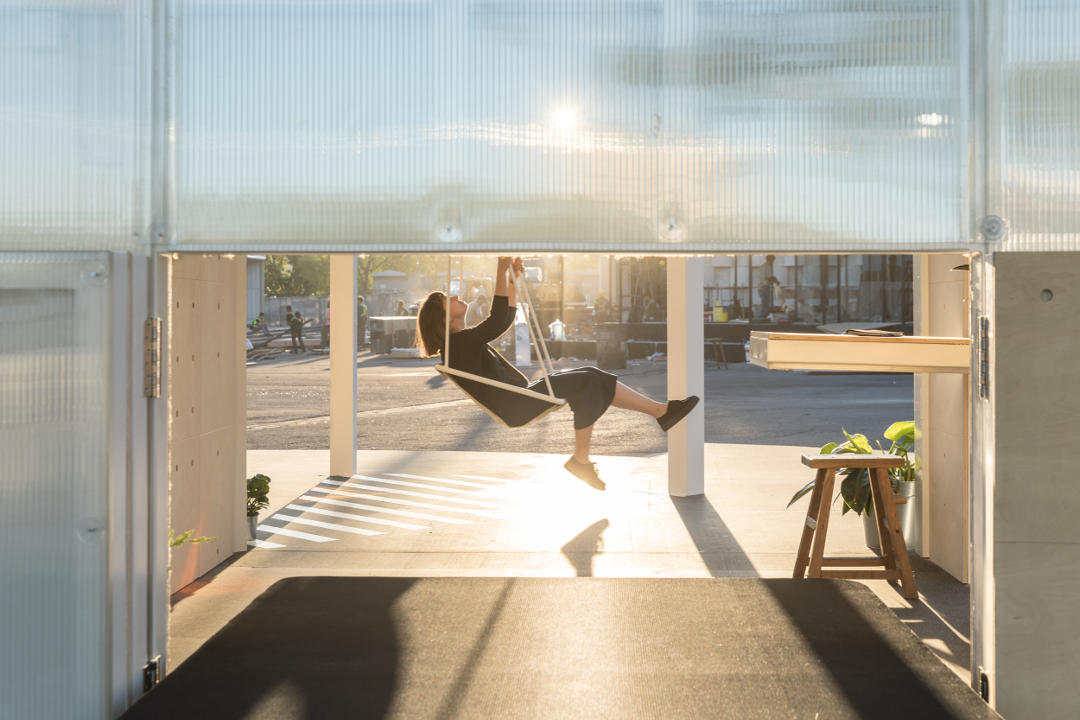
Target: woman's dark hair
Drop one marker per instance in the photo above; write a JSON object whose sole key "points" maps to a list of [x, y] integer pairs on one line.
{"points": [[431, 324]]}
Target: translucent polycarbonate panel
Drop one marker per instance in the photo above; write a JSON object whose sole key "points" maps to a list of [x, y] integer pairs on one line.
{"points": [[1040, 125], [69, 114], [663, 125], [54, 357]]}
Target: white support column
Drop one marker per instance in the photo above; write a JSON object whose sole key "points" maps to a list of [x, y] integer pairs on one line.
{"points": [[342, 365], [686, 373]]}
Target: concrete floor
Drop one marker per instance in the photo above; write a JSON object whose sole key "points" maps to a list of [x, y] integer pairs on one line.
{"points": [[519, 514]]}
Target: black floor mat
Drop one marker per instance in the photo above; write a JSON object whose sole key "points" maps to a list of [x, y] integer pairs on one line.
{"points": [[333, 647]]}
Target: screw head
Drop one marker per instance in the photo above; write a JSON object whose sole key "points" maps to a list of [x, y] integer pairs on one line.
{"points": [[993, 228]]}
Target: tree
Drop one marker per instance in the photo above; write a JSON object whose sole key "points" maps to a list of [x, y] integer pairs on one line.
{"points": [[424, 264], [368, 265], [276, 274], [311, 274], [297, 275], [300, 275]]}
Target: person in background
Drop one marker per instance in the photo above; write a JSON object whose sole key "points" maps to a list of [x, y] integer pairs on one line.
{"points": [[326, 328], [296, 329], [401, 309], [478, 310], [361, 320], [766, 286]]}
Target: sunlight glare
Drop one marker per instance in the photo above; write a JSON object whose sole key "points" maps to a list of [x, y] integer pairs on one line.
{"points": [[564, 118]]}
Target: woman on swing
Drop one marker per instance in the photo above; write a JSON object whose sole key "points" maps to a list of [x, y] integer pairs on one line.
{"points": [[589, 391]]}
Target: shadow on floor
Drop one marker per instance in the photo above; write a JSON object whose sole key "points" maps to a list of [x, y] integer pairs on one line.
{"points": [[326, 647], [278, 658], [585, 546], [836, 630], [724, 557], [719, 550]]}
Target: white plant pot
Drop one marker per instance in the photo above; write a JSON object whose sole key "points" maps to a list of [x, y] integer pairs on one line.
{"points": [[905, 514]]}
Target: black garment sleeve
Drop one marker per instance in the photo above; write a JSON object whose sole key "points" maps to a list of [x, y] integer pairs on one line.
{"points": [[495, 324]]}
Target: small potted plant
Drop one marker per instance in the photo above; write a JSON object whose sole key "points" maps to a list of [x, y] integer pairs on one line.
{"points": [[258, 488], [855, 482], [187, 537]]}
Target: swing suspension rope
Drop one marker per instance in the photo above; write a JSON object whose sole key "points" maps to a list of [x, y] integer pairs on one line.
{"points": [[536, 336]]}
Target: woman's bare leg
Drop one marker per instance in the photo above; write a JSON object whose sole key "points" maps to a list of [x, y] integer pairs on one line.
{"points": [[632, 400], [582, 443]]}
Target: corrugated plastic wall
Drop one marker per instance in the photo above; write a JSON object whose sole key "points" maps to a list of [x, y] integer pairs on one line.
{"points": [[652, 126], [54, 357], [1040, 125], [72, 115]]}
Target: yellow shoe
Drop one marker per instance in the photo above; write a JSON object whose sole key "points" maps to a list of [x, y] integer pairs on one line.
{"points": [[585, 471]]}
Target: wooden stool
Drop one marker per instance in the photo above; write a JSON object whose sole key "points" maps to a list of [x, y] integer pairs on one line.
{"points": [[894, 554]]}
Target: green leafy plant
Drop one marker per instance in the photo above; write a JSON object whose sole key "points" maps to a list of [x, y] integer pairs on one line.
{"points": [[178, 540], [855, 482], [258, 487]]}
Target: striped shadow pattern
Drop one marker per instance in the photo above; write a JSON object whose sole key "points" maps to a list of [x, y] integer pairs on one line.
{"points": [[375, 504]]}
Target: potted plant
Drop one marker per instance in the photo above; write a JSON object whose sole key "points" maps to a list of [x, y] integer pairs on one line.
{"points": [[855, 482], [258, 487], [186, 537]]}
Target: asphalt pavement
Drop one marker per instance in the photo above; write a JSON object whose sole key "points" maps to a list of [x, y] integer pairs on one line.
{"points": [[403, 404]]}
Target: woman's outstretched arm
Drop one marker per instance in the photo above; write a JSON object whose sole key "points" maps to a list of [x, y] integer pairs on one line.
{"points": [[502, 313], [502, 285], [500, 276], [517, 274]]}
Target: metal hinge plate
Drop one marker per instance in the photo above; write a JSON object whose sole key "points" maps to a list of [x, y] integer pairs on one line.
{"points": [[152, 357], [151, 673], [984, 356]]}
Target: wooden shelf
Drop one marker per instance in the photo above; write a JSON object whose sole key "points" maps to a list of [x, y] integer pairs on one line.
{"points": [[810, 351]]}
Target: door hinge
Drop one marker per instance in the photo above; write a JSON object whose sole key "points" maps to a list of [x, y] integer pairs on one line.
{"points": [[151, 673], [984, 356], [152, 357]]}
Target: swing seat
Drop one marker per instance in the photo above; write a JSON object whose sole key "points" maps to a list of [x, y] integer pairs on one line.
{"points": [[527, 406]]}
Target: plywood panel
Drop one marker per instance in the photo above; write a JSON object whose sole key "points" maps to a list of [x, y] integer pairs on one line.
{"points": [[946, 467], [1037, 391], [206, 400], [215, 388], [1036, 386], [941, 415], [1038, 643], [790, 351], [184, 502], [216, 514], [183, 375]]}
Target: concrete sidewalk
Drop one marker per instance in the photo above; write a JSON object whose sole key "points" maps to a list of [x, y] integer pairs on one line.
{"points": [[424, 514]]}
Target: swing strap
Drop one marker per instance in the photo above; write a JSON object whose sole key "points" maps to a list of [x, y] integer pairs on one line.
{"points": [[536, 336]]}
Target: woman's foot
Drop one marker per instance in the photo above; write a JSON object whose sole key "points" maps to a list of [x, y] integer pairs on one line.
{"points": [[585, 471], [676, 411]]}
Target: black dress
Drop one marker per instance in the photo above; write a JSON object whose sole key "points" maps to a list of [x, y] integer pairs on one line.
{"points": [[587, 390]]}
